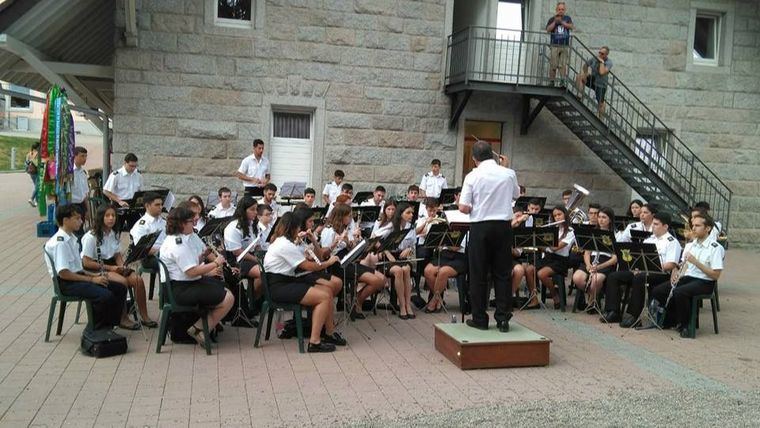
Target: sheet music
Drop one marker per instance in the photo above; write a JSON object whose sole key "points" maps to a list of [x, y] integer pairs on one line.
{"points": [[358, 249], [247, 249], [169, 201], [456, 216]]}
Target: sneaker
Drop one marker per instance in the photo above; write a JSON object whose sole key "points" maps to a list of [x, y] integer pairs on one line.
{"points": [[628, 321], [320, 347], [32, 203], [335, 339]]}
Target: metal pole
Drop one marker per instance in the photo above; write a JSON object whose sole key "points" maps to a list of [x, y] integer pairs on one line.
{"points": [[13, 158], [106, 150]]}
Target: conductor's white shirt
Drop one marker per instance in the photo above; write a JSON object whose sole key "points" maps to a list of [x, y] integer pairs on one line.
{"points": [[256, 168], [490, 189]]}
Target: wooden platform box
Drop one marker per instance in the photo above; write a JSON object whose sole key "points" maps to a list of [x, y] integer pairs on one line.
{"points": [[470, 348]]}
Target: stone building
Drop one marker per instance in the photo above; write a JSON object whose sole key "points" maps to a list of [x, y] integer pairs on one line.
{"points": [[368, 86]]}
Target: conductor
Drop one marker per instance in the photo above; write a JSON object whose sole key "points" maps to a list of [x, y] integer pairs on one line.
{"points": [[487, 194]]}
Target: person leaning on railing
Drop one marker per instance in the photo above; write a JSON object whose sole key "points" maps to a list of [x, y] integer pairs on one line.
{"points": [[594, 75], [559, 27]]}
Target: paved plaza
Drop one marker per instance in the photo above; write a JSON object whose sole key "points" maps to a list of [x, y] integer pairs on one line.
{"points": [[389, 375]]}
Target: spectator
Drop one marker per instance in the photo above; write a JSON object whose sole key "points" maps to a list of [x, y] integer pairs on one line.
{"points": [[559, 27], [594, 75]]}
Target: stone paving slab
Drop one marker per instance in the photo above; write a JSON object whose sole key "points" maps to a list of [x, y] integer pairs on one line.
{"points": [[390, 373]]}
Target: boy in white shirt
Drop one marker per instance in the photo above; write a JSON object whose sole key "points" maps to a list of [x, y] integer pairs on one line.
{"points": [[332, 190], [224, 208]]}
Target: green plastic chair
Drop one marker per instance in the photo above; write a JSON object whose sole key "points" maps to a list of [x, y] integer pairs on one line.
{"points": [[269, 307], [170, 306], [58, 296], [694, 318]]}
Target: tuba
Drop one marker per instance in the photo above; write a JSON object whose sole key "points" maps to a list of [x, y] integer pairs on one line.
{"points": [[573, 210]]}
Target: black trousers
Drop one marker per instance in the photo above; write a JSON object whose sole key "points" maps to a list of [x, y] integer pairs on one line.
{"points": [[617, 284], [490, 251], [679, 307], [107, 302]]}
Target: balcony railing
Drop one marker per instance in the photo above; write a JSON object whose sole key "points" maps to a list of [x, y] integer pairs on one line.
{"points": [[521, 58]]}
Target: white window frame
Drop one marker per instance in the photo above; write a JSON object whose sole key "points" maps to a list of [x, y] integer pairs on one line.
{"points": [[724, 36], [284, 140], [233, 27], [718, 18], [234, 23]]}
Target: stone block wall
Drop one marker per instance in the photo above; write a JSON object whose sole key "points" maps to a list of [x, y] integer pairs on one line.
{"points": [[714, 111]]}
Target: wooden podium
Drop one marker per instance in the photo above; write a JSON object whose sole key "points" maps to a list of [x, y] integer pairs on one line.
{"points": [[470, 348]]}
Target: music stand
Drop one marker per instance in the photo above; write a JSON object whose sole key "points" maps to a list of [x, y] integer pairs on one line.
{"points": [[532, 239], [590, 238], [292, 190], [634, 256], [443, 236], [214, 225], [639, 235], [142, 249], [524, 200], [622, 221], [541, 218], [360, 197], [137, 199], [392, 241]]}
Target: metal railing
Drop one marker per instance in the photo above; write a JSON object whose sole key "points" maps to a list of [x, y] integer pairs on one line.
{"points": [[493, 55]]}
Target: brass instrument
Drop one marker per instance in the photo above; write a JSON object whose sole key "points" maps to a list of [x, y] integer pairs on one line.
{"points": [[573, 204]]}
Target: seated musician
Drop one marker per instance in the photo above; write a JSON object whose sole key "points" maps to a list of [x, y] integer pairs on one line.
{"points": [[383, 222], [107, 297], [668, 249], [270, 191], [264, 225], [344, 197], [421, 228], [402, 272], [310, 197], [377, 200], [337, 238], [238, 235], [225, 207], [595, 263], [556, 259], [149, 223], [634, 208], [309, 244], [202, 217], [593, 214], [521, 265], [646, 213], [701, 266], [100, 252], [703, 207], [448, 263], [281, 263], [124, 182], [193, 281]]}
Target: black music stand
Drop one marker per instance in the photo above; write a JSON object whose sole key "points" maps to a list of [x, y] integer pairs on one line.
{"points": [[633, 256], [533, 239], [392, 241], [443, 236], [639, 235], [622, 221], [214, 225], [591, 238], [141, 250], [137, 200], [541, 218], [524, 200], [361, 197], [292, 190], [448, 196], [365, 217]]}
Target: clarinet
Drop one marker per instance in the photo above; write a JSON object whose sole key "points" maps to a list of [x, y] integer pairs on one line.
{"points": [[311, 252], [101, 267], [229, 275]]}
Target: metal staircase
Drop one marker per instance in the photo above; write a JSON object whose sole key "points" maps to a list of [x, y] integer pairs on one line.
{"points": [[629, 137]]}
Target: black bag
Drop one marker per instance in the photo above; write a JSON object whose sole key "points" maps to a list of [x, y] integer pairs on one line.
{"points": [[179, 322], [31, 168], [103, 343]]}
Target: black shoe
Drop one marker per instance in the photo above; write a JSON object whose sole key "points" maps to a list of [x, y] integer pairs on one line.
{"points": [[473, 324], [503, 326], [403, 317], [628, 321], [334, 339], [685, 334], [611, 317], [354, 315], [321, 347]]}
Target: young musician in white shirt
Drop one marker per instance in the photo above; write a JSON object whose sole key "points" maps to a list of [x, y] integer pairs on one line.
{"points": [[402, 272], [238, 235], [107, 297], [281, 263], [310, 197], [433, 182], [122, 184], [646, 217], [597, 264], [149, 223], [224, 208], [193, 280], [202, 218], [80, 189], [264, 225], [556, 259], [270, 191], [701, 266], [100, 252], [332, 190]]}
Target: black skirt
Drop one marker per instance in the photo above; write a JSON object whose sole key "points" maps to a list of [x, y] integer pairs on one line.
{"points": [[287, 289], [452, 259], [602, 259], [205, 292], [557, 263]]}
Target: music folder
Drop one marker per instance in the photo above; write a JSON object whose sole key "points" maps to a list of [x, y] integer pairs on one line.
{"points": [[535, 237], [621, 222], [360, 197], [392, 241], [137, 199], [366, 214], [213, 225], [448, 196], [354, 254], [639, 235], [443, 235], [591, 238], [638, 256], [141, 250]]}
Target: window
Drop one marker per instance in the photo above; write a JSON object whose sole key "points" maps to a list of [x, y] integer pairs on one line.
{"points": [[652, 149], [18, 103], [233, 13], [292, 146], [706, 38]]}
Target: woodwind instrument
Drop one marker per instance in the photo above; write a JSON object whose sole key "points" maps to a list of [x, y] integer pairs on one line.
{"points": [[309, 251], [230, 277], [342, 237]]}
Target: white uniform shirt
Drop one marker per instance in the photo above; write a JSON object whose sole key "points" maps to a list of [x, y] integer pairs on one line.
{"points": [[149, 224], [283, 257], [263, 233], [668, 247], [221, 212], [332, 190], [489, 189], [568, 239], [709, 252], [179, 254], [409, 240], [122, 184], [715, 232], [233, 236], [64, 251], [273, 205], [108, 248], [328, 237], [625, 235], [256, 168], [421, 236], [79, 187], [432, 184], [197, 243], [381, 231]]}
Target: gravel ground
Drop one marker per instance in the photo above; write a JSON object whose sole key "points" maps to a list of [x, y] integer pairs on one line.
{"points": [[679, 407]]}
